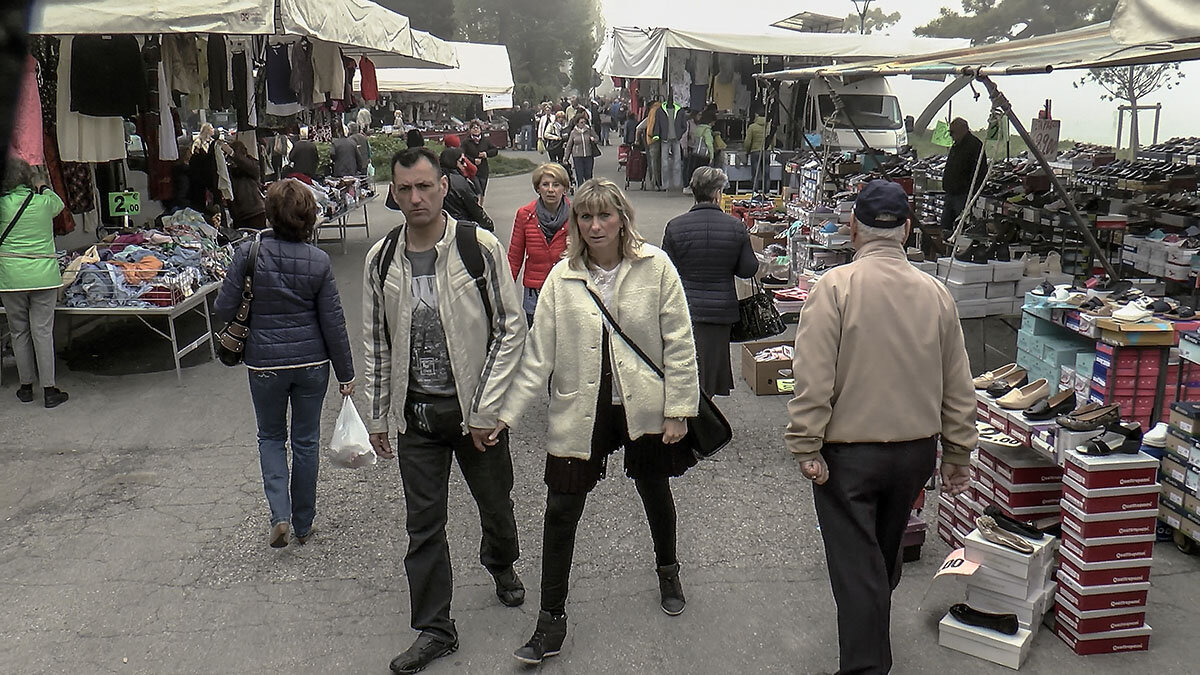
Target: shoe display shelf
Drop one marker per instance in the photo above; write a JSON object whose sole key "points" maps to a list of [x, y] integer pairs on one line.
{"points": [[1179, 474], [1110, 508]]}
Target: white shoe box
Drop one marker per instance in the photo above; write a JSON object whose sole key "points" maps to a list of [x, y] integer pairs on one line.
{"points": [[1005, 560], [1098, 620], [1112, 471], [1108, 573], [1029, 610], [1110, 500], [1108, 596], [1107, 549], [1065, 440], [997, 290], [1112, 642], [1000, 306], [1011, 271], [1009, 585], [972, 309], [962, 292], [989, 645], [965, 273]]}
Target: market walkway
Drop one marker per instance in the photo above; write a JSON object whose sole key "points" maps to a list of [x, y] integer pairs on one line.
{"points": [[133, 523]]}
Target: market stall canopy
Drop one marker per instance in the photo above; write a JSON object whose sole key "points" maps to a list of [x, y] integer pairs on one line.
{"points": [[640, 52], [482, 69], [1088, 47], [360, 27], [1138, 21]]}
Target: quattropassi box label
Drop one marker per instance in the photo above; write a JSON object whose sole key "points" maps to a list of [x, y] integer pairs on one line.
{"points": [[1092, 501], [1109, 528], [1115, 596], [1093, 552], [1110, 642], [1088, 574], [1101, 624], [1092, 474]]}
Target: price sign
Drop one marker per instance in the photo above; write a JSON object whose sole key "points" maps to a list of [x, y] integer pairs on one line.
{"points": [[957, 563], [1045, 137], [497, 101], [125, 203]]}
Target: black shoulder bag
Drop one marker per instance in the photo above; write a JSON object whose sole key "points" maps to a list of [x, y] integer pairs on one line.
{"points": [[20, 212], [709, 431], [231, 341]]}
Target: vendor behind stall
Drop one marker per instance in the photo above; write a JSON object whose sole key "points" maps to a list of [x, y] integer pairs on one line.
{"points": [[961, 166]]}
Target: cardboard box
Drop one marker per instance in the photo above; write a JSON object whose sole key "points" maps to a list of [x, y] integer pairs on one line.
{"points": [[1020, 466], [1106, 573], [1112, 642], [762, 376], [1006, 650], [1029, 610], [1191, 504], [1172, 493], [1008, 561], [1180, 443], [1136, 334], [1109, 596], [1118, 470], [1107, 549], [1174, 469], [1109, 500], [1095, 525], [1186, 417], [1170, 515]]}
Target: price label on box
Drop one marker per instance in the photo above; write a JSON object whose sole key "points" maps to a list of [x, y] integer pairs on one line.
{"points": [[127, 203]]}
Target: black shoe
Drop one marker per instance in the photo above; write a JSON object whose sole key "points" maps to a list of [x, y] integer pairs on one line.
{"points": [[1001, 387], [509, 588], [1001, 623], [25, 393], [423, 651], [973, 253], [55, 397], [671, 589], [546, 641], [1013, 525], [1048, 408]]}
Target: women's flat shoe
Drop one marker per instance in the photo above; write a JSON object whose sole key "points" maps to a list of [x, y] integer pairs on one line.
{"points": [[1047, 409], [1019, 399], [1156, 437], [1001, 623], [1005, 384], [1097, 418], [985, 380], [989, 530], [1013, 525]]}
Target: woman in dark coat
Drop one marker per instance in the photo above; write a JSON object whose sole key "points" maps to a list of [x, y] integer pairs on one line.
{"points": [[248, 209], [462, 202], [478, 148], [710, 248]]}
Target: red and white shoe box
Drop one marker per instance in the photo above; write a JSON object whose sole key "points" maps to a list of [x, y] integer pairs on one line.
{"points": [[1026, 431], [1107, 573], [1126, 596], [1029, 610], [1110, 642], [1022, 495], [1019, 466], [1103, 525], [1110, 500], [1006, 650], [1107, 549], [1085, 622], [1112, 471]]}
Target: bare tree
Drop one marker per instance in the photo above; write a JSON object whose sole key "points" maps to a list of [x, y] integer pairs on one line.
{"points": [[1132, 84], [862, 6]]}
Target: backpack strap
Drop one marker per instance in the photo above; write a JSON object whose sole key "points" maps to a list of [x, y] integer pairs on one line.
{"points": [[384, 263]]}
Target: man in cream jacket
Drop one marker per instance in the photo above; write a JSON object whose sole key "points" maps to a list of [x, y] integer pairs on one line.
{"points": [[438, 369], [881, 373]]}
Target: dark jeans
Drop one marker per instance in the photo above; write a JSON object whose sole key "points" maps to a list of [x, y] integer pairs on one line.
{"points": [[954, 205], [756, 172], [863, 509], [272, 391], [425, 474], [583, 169], [563, 512]]}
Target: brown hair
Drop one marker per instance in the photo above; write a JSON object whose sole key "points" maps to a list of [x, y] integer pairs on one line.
{"points": [[291, 210], [552, 169]]}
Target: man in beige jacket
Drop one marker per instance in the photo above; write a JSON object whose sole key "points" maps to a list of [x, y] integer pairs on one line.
{"points": [[881, 373]]}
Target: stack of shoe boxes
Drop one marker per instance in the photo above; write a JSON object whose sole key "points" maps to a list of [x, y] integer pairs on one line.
{"points": [[1129, 377], [1044, 347], [1180, 471], [1110, 511], [1020, 483], [982, 290], [1007, 582]]}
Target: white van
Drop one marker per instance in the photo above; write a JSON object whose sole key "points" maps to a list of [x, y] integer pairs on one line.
{"points": [[872, 106]]}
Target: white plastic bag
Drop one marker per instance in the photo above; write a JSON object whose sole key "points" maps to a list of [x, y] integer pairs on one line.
{"points": [[351, 444]]}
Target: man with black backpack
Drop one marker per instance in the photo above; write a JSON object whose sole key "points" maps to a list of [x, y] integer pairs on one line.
{"points": [[444, 334]]}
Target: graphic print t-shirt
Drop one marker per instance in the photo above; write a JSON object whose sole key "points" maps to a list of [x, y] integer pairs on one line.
{"points": [[429, 359]]}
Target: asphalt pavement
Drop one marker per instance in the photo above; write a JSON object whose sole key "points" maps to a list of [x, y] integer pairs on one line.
{"points": [[133, 539]]}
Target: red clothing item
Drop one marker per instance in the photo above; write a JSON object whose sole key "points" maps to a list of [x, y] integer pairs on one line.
{"points": [[370, 86], [529, 246], [468, 168]]}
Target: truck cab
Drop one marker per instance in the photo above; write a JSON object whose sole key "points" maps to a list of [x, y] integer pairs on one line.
{"points": [[871, 105]]}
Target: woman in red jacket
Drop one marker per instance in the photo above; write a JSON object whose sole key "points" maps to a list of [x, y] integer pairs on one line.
{"points": [[539, 234]]}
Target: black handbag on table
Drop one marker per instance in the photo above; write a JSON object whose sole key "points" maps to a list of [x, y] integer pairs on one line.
{"points": [[757, 317], [708, 431], [231, 340]]}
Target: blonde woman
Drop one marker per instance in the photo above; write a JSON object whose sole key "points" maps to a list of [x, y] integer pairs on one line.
{"points": [[602, 395]]}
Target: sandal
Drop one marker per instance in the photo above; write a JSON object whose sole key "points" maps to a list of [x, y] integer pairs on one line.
{"points": [[1125, 439]]}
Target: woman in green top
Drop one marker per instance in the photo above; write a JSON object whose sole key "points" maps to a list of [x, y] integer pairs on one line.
{"points": [[699, 144], [29, 277]]}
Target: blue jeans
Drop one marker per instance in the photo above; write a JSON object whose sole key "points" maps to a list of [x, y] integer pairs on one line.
{"points": [[272, 391], [583, 169], [525, 141]]}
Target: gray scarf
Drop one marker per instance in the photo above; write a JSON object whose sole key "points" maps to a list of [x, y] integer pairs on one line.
{"points": [[551, 223]]}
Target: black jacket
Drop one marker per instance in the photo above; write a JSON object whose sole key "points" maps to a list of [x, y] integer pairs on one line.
{"points": [[304, 158], [247, 189], [710, 248], [296, 316], [960, 165], [462, 202], [471, 150]]}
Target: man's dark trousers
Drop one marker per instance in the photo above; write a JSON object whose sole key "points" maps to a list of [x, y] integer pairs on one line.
{"points": [[863, 509], [425, 473], [952, 208]]}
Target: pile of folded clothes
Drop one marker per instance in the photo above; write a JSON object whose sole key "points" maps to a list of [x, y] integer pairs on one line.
{"points": [[148, 268]]}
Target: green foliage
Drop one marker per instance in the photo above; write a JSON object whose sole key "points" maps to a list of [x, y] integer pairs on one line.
{"points": [[875, 20], [988, 21], [384, 147]]}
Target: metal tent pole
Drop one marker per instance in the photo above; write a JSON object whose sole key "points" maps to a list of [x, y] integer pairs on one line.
{"points": [[999, 99]]}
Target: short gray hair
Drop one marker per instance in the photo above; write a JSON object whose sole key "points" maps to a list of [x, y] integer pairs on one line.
{"points": [[867, 233], [708, 183], [17, 174], [353, 127]]}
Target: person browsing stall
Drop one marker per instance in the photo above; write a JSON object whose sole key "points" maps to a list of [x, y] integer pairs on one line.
{"points": [[441, 351], [881, 374]]}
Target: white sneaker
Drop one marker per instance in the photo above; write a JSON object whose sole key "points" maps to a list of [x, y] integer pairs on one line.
{"points": [[1053, 263]]}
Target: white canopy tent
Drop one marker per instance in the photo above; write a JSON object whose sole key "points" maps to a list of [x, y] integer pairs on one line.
{"points": [[1139, 21], [640, 52], [482, 69], [360, 27]]}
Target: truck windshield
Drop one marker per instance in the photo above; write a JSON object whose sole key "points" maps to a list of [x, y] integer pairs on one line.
{"points": [[869, 111]]}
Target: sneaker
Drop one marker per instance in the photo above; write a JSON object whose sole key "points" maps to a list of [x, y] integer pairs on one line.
{"points": [[25, 393], [547, 639], [423, 651], [279, 535], [54, 397], [671, 590], [509, 588]]}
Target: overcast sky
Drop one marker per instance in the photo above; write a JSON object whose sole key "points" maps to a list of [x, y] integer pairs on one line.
{"points": [[1086, 116]]}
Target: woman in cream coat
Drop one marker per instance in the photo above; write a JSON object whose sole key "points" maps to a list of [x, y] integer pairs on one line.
{"points": [[602, 395]]}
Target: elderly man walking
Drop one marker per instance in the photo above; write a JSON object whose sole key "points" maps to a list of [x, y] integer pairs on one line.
{"points": [[881, 374]]}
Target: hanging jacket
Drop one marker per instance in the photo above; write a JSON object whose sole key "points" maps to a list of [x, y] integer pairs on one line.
{"points": [[530, 248], [652, 122]]}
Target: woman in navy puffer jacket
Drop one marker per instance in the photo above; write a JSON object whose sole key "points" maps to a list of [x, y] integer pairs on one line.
{"points": [[296, 331]]}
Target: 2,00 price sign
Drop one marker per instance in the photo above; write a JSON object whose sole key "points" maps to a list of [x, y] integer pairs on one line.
{"points": [[125, 203]]}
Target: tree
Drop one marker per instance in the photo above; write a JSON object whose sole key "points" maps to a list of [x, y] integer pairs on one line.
{"points": [[1131, 84], [431, 17], [870, 21], [988, 21]]}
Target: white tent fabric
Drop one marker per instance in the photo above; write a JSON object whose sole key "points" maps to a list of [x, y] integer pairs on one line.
{"points": [[1088, 47], [1141, 21], [359, 26], [482, 69], [641, 52]]}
